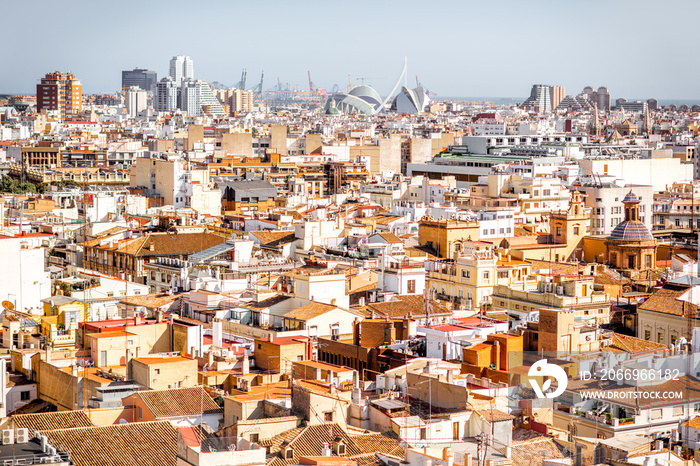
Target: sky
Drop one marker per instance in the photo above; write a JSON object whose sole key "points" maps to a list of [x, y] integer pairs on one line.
{"points": [[638, 49]]}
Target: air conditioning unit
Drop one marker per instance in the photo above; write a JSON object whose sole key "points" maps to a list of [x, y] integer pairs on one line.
{"points": [[8, 436], [22, 435]]}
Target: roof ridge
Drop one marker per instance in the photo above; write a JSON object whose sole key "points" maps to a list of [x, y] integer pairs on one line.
{"points": [[108, 426]]}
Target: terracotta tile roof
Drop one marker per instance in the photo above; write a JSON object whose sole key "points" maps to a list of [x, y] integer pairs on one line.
{"points": [[693, 423], [166, 244], [267, 302], [665, 301], [142, 443], [628, 344], [391, 238], [271, 391], [523, 452], [309, 311], [406, 304], [273, 237], [495, 415], [150, 301], [179, 402], [312, 270], [50, 421], [308, 441]]}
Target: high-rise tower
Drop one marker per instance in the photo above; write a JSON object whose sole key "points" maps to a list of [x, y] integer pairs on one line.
{"points": [[181, 67]]}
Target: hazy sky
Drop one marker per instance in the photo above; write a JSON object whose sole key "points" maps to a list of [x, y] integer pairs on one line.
{"points": [[638, 49]]}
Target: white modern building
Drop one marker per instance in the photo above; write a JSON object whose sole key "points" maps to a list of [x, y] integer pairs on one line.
{"points": [[190, 97], [181, 67], [166, 95], [23, 281], [136, 100], [496, 223], [607, 210]]}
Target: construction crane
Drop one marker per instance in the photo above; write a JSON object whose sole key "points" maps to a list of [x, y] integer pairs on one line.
{"points": [[241, 83], [258, 89], [311, 83], [362, 80]]}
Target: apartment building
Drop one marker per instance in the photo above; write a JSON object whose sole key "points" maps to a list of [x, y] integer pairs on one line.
{"points": [[61, 92], [607, 209]]}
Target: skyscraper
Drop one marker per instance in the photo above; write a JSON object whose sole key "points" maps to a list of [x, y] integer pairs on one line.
{"points": [[62, 92], [166, 95], [145, 79], [543, 97], [181, 67]]}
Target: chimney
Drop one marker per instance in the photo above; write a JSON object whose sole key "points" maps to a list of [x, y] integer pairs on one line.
{"points": [[269, 337], [210, 359], [137, 318], [245, 369], [467, 459], [508, 452], [317, 373], [450, 376], [217, 330], [329, 376], [74, 370], [332, 389], [159, 316], [326, 450]]}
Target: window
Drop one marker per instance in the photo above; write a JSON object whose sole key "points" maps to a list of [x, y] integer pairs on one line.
{"points": [[647, 335], [289, 454], [328, 417], [259, 346], [300, 357], [677, 410], [486, 274], [576, 231], [423, 433], [465, 274], [254, 438], [140, 412], [156, 371], [655, 414], [411, 286], [341, 449], [558, 231], [660, 337], [24, 396]]}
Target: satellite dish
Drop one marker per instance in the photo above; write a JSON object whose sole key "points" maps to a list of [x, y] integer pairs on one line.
{"points": [[8, 305]]}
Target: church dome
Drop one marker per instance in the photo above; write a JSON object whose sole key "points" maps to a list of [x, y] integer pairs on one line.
{"points": [[631, 231], [630, 198]]}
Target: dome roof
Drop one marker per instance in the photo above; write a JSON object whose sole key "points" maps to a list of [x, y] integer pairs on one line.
{"points": [[631, 231], [630, 198], [365, 91]]}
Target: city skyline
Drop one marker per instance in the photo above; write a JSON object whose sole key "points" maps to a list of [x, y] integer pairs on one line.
{"points": [[459, 49]]}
